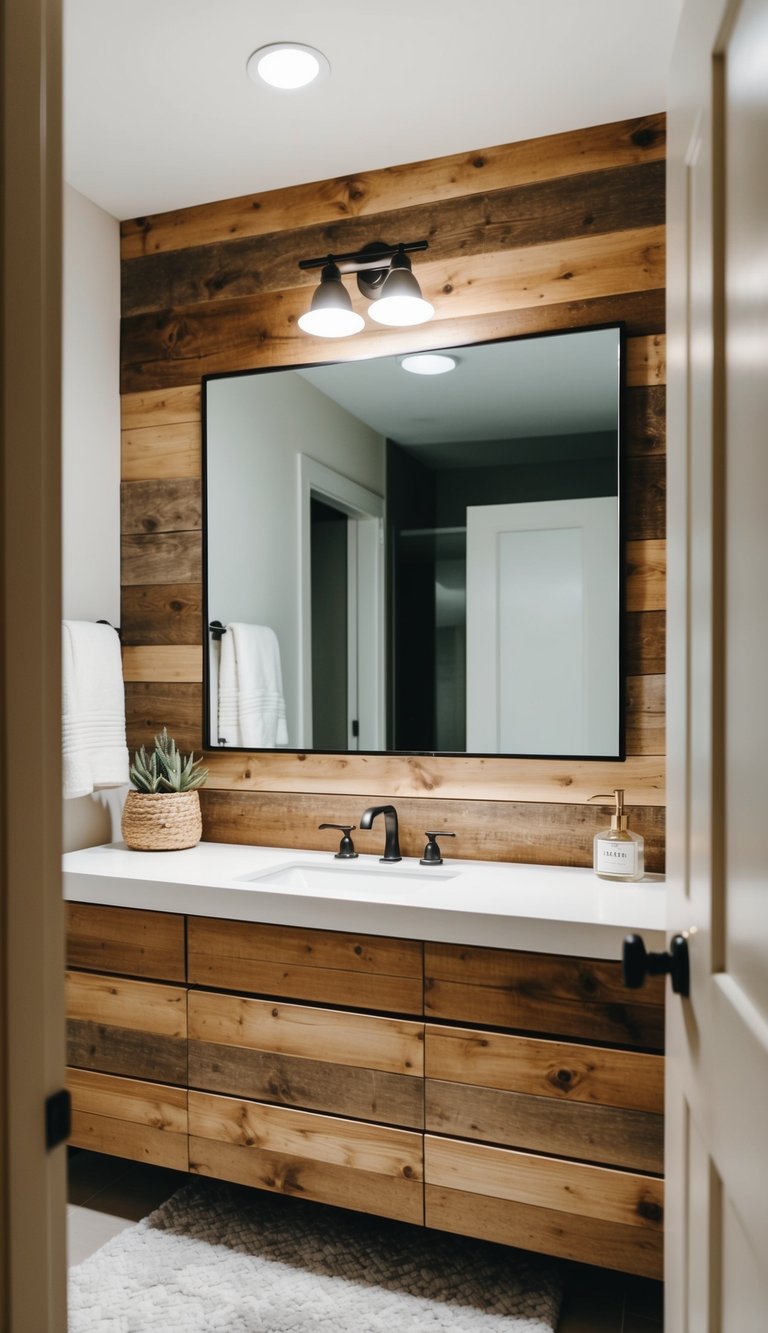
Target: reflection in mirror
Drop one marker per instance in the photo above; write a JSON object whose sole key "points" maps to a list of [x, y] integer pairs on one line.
{"points": [[418, 563]]}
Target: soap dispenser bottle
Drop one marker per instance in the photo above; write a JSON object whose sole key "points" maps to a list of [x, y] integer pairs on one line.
{"points": [[618, 852]]}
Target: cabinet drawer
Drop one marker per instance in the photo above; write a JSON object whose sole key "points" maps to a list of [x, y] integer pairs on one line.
{"points": [[588, 1213], [128, 1027], [319, 1059], [587, 1102], [129, 1118], [542, 993], [325, 967], [126, 940], [324, 1158]]}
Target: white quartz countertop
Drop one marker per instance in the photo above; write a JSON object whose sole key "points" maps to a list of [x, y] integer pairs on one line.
{"points": [[545, 909]]}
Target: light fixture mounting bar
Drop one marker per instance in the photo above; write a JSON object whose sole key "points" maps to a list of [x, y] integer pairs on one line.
{"points": [[370, 257]]}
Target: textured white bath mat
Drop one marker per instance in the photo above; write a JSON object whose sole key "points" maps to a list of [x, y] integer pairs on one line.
{"points": [[219, 1259]]}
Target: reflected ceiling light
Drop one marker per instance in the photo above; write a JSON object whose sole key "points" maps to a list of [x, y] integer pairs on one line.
{"points": [[428, 363], [287, 65], [384, 277]]}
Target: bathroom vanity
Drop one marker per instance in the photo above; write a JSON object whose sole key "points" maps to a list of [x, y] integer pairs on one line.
{"points": [[450, 1045]]}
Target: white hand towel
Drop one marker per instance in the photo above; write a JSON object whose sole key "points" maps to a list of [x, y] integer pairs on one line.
{"points": [[94, 750], [251, 703]]}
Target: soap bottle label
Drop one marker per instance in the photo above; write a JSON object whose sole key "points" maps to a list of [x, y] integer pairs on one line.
{"points": [[616, 858]]}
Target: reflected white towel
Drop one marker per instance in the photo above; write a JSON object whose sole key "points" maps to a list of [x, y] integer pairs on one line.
{"points": [[94, 751], [251, 704]]}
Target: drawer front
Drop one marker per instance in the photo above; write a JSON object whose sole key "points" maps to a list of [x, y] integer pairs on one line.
{"points": [[319, 1059], [119, 1026], [588, 1213], [542, 993], [324, 967], [368, 1168], [146, 1122], [587, 1102], [125, 940]]}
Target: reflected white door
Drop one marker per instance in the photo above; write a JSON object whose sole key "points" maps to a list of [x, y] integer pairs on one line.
{"points": [[543, 627], [717, 1067]]}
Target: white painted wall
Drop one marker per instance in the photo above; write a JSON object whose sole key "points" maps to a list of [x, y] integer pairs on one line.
{"points": [[90, 446], [257, 426]]}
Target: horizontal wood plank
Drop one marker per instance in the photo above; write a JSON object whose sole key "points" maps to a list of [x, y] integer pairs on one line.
{"points": [[644, 491], [138, 1143], [161, 613], [586, 1240], [645, 714], [438, 777], [160, 408], [645, 424], [621, 1197], [542, 993], [161, 453], [182, 662], [321, 966], [125, 940], [604, 1134], [141, 1006], [162, 557], [151, 705], [171, 505], [645, 643], [366, 1041], [395, 188], [130, 1100], [647, 360], [314, 1085], [110, 1048], [645, 575], [486, 829], [561, 1070], [301, 1176]]}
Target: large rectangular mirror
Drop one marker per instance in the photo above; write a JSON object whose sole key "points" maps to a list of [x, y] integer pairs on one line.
{"points": [[418, 563]]}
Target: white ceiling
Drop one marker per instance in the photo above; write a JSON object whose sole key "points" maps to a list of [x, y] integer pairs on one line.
{"points": [[160, 114]]}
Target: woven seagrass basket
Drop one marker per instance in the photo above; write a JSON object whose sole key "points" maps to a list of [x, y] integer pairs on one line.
{"points": [[162, 821]]}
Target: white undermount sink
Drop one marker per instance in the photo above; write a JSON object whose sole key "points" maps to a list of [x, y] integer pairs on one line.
{"points": [[374, 878]]}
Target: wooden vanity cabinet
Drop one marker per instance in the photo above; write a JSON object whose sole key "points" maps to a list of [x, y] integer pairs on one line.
{"points": [[516, 1097], [126, 1004], [313, 1099], [544, 1143]]}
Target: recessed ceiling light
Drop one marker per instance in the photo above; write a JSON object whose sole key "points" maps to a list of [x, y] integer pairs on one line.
{"points": [[287, 65], [428, 363]]}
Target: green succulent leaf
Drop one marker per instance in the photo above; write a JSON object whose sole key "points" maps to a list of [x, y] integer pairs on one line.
{"points": [[165, 769]]}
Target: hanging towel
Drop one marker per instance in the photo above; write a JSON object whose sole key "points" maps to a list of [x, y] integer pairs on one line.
{"points": [[251, 704], [94, 750]]}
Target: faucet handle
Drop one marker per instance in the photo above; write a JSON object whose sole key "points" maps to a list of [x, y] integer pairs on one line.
{"points": [[432, 855], [346, 850]]}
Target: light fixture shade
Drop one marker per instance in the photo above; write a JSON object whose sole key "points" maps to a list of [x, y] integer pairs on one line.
{"points": [[330, 314], [428, 363], [401, 302], [287, 65]]}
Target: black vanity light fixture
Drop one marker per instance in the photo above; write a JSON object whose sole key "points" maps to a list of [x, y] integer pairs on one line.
{"points": [[384, 277]]}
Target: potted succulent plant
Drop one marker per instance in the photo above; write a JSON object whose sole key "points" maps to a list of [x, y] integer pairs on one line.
{"points": [[162, 812]]}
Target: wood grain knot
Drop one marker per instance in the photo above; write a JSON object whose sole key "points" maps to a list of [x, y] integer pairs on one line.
{"points": [[644, 138], [652, 1212]]}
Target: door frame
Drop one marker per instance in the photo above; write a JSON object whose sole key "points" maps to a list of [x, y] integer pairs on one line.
{"points": [[365, 509], [32, 1180]]}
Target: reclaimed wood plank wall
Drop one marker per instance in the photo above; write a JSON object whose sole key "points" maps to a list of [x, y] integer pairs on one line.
{"points": [[549, 234]]}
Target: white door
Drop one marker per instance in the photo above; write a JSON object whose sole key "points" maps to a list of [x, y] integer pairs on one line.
{"points": [[717, 1079], [543, 628]]}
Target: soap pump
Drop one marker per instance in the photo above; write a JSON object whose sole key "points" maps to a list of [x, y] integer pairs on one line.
{"points": [[618, 852]]}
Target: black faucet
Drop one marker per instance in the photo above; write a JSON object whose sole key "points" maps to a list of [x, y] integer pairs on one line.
{"points": [[391, 840]]}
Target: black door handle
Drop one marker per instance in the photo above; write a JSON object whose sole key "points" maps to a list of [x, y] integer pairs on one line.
{"points": [[639, 964]]}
